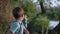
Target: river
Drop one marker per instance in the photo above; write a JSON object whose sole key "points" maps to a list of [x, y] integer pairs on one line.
{"points": [[53, 24]]}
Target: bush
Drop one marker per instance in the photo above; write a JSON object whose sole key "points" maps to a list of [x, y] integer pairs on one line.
{"points": [[41, 23]]}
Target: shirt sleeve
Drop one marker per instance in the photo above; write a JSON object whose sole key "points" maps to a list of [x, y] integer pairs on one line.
{"points": [[13, 27], [25, 21]]}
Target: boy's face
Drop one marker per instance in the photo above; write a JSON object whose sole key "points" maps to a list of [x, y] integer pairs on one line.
{"points": [[21, 13]]}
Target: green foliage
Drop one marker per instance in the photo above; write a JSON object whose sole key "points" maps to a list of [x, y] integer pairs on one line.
{"points": [[41, 23], [53, 14]]}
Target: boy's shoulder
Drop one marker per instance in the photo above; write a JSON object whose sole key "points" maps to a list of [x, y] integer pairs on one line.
{"points": [[15, 24]]}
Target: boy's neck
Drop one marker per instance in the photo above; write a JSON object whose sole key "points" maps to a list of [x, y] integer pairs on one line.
{"points": [[19, 21]]}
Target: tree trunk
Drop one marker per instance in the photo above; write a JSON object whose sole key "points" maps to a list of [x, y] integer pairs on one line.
{"points": [[42, 30], [42, 7], [47, 30]]}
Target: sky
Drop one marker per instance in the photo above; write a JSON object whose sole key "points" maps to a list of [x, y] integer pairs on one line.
{"points": [[34, 0], [54, 2]]}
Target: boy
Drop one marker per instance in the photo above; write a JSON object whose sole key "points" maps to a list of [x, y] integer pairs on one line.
{"points": [[18, 26]]}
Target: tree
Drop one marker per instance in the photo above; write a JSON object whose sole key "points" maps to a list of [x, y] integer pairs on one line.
{"points": [[42, 6]]}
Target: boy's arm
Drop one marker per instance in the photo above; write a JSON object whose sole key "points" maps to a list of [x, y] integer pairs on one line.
{"points": [[26, 25], [26, 31]]}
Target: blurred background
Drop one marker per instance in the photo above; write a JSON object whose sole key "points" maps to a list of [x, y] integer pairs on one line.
{"points": [[43, 15]]}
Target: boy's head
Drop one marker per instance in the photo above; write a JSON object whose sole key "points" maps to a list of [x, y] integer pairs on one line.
{"points": [[18, 12]]}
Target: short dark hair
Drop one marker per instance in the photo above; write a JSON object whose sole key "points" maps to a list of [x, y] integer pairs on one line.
{"points": [[16, 11]]}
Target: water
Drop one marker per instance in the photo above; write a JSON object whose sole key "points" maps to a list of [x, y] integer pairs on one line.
{"points": [[53, 24]]}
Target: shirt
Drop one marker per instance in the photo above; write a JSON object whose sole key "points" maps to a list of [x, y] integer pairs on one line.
{"points": [[17, 28]]}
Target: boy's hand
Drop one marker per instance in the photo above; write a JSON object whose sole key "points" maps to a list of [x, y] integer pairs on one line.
{"points": [[26, 31]]}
